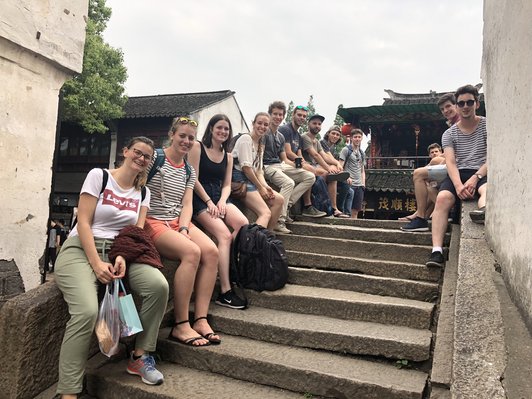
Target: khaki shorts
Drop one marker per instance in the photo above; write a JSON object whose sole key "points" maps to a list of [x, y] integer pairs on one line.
{"points": [[437, 173]]}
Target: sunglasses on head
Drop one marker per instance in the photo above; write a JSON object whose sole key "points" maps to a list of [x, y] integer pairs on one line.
{"points": [[184, 121], [462, 104], [302, 107]]}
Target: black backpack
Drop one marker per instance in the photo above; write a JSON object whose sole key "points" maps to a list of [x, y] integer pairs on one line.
{"points": [[258, 259], [320, 196]]}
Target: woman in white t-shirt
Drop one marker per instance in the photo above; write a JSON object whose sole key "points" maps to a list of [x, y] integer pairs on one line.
{"points": [[247, 154], [103, 210]]}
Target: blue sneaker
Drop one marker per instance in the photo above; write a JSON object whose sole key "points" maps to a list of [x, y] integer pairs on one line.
{"points": [[145, 368], [417, 224]]}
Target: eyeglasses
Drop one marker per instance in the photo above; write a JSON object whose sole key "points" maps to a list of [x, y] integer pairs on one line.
{"points": [[184, 121], [140, 154], [302, 107], [462, 104]]}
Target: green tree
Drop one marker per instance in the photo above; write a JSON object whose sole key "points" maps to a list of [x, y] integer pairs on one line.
{"points": [[97, 95], [289, 112], [338, 120]]}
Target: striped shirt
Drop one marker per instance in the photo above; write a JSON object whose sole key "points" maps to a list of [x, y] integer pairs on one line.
{"points": [[470, 150], [168, 188]]}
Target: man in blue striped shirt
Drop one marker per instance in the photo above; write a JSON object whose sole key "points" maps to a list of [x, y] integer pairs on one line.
{"points": [[465, 148]]}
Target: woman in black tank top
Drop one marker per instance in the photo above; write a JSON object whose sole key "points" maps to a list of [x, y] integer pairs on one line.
{"points": [[212, 208]]}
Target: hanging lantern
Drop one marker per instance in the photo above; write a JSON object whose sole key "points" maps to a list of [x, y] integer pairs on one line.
{"points": [[346, 129]]}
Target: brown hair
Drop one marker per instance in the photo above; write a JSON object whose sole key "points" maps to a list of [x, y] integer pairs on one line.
{"points": [[142, 177], [446, 97], [467, 89], [207, 136], [277, 104], [434, 145], [357, 131]]}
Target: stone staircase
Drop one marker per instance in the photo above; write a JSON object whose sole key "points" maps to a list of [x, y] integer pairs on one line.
{"points": [[359, 299]]}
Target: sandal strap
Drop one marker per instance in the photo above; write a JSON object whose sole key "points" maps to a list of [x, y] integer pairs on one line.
{"points": [[200, 318], [181, 322]]}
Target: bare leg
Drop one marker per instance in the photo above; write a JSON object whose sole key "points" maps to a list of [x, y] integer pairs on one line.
{"points": [[254, 201], [276, 207], [482, 193], [205, 278], [174, 245], [218, 229], [444, 203], [331, 190], [420, 190]]}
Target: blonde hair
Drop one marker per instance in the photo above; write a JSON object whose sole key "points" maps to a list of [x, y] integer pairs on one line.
{"points": [[173, 128]]}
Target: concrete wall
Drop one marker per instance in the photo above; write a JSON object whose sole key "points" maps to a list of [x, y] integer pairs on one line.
{"points": [[41, 45], [229, 107], [506, 71]]}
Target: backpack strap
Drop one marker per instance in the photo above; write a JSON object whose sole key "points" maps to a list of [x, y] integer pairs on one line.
{"points": [[105, 178], [157, 165]]}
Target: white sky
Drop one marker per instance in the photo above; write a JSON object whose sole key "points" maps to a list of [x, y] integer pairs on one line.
{"points": [[341, 51]]}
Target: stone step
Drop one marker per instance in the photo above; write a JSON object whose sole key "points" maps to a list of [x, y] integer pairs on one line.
{"points": [[301, 370], [322, 332], [362, 249], [388, 286], [112, 382], [352, 232], [370, 223], [359, 265], [347, 305]]}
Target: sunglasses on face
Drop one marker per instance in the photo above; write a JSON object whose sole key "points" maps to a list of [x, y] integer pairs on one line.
{"points": [[302, 107], [140, 154], [462, 104], [184, 121]]}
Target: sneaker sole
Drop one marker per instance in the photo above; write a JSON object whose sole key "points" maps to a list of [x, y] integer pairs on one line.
{"points": [[314, 216], [434, 264], [415, 230], [226, 305], [158, 382]]}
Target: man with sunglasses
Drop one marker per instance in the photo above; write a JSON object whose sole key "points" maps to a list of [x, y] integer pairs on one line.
{"points": [[465, 149]]}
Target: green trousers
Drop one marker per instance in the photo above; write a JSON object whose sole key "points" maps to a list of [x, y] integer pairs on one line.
{"points": [[78, 283]]}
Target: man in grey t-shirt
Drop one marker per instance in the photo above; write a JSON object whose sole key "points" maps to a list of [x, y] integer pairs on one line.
{"points": [[352, 159]]}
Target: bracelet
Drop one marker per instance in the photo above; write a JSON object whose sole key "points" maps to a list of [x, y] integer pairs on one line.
{"points": [[208, 201], [183, 228]]}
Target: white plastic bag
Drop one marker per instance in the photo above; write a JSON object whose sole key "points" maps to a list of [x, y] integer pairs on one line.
{"points": [[108, 322]]}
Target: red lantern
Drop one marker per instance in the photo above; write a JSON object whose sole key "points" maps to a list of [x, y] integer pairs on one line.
{"points": [[346, 129]]}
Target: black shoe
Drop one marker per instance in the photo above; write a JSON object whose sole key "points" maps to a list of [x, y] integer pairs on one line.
{"points": [[417, 224], [230, 300], [436, 260], [478, 215]]}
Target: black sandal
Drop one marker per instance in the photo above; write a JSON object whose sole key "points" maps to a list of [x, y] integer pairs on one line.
{"points": [[208, 336], [189, 341]]}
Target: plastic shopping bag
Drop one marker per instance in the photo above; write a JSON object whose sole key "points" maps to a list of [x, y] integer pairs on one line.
{"points": [[128, 314], [108, 322]]}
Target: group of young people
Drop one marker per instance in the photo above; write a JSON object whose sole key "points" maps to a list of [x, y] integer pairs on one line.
{"points": [[459, 172], [192, 182]]}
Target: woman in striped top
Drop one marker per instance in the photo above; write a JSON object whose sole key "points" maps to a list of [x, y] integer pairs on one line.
{"points": [[169, 225]]}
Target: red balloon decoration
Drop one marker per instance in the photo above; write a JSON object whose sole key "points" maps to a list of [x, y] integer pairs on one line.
{"points": [[346, 129]]}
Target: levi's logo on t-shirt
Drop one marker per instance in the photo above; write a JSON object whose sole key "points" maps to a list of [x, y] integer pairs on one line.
{"points": [[123, 204]]}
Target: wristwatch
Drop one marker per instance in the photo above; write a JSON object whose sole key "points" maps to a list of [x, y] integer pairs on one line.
{"points": [[479, 176]]}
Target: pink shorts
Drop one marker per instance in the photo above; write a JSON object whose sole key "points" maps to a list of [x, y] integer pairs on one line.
{"points": [[156, 227]]}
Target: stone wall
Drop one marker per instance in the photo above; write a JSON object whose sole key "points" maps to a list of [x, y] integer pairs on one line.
{"points": [[506, 71], [41, 45]]}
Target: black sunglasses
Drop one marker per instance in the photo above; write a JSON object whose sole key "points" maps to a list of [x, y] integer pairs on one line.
{"points": [[462, 104]]}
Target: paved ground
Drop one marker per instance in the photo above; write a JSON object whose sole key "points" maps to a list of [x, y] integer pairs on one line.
{"points": [[517, 380]]}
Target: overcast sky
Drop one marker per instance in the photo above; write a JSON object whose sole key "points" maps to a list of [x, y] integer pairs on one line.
{"points": [[341, 51]]}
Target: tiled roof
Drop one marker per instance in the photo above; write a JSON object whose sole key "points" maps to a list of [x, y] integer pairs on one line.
{"points": [[170, 105], [389, 180], [417, 98]]}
